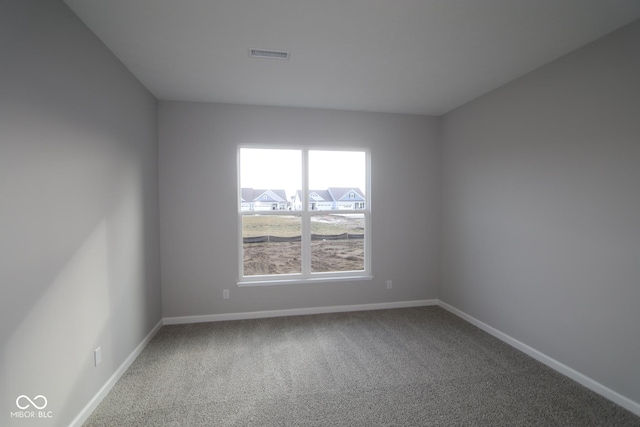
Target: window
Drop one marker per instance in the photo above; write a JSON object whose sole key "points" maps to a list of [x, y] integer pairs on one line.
{"points": [[303, 214]]}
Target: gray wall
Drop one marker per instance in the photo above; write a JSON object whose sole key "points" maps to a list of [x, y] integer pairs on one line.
{"points": [[198, 211], [79, 245], [541, 210]]}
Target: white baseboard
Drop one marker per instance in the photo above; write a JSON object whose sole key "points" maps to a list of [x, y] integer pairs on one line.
{"points": [[106, 388], [578, 377], [295, 312]]}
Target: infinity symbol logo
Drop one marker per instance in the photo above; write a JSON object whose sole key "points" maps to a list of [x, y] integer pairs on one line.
{"points": [[22, 397]]}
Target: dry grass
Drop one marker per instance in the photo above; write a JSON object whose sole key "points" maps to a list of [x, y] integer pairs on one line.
{"points": [[290, 226]]}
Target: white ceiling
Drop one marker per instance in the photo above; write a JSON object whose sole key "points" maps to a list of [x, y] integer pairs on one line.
{"points": [[403, 56]]}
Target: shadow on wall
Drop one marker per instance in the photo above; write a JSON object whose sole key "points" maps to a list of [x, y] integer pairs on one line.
{"points": [[78, 276], [50, 351]]}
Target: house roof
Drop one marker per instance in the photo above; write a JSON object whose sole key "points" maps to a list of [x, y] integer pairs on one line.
{"points": [[323, 194], [255, 195], [340, 193], [333, 193]]}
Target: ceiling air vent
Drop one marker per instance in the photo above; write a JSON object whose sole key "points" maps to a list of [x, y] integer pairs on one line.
{"points": [[270, 54]]}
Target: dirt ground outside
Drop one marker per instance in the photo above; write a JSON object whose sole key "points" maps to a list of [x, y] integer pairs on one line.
{"points": [[285, 257]]}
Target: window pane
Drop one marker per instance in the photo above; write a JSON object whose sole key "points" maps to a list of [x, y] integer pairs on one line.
{"points": [[271, 244], [337, 242], [270, 179], [337, 180], [273, 214]]}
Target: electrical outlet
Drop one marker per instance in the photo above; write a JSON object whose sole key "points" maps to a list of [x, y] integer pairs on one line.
{"points": [[225, 293], [97, 356], [389, 284]]}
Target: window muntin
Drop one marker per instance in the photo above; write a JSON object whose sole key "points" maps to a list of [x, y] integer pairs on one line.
{"points": [[286, 241]]}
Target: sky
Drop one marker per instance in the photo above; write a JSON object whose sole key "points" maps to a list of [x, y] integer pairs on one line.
{"points": [[282, 169]]}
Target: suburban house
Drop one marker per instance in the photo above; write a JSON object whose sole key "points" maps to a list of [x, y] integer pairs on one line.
{"points": [[263, 200], [333, 198]]}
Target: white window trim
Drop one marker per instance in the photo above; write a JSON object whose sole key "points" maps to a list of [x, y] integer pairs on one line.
{"points": [[307, 276]]}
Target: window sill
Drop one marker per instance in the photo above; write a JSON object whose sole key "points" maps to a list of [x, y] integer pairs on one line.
{"points": [[297, 281]]}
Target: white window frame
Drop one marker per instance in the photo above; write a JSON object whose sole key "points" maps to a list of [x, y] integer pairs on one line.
{"points": [[306, 276]]}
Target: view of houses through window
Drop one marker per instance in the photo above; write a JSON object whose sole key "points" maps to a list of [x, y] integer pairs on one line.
{"points": [[302, 212]]}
